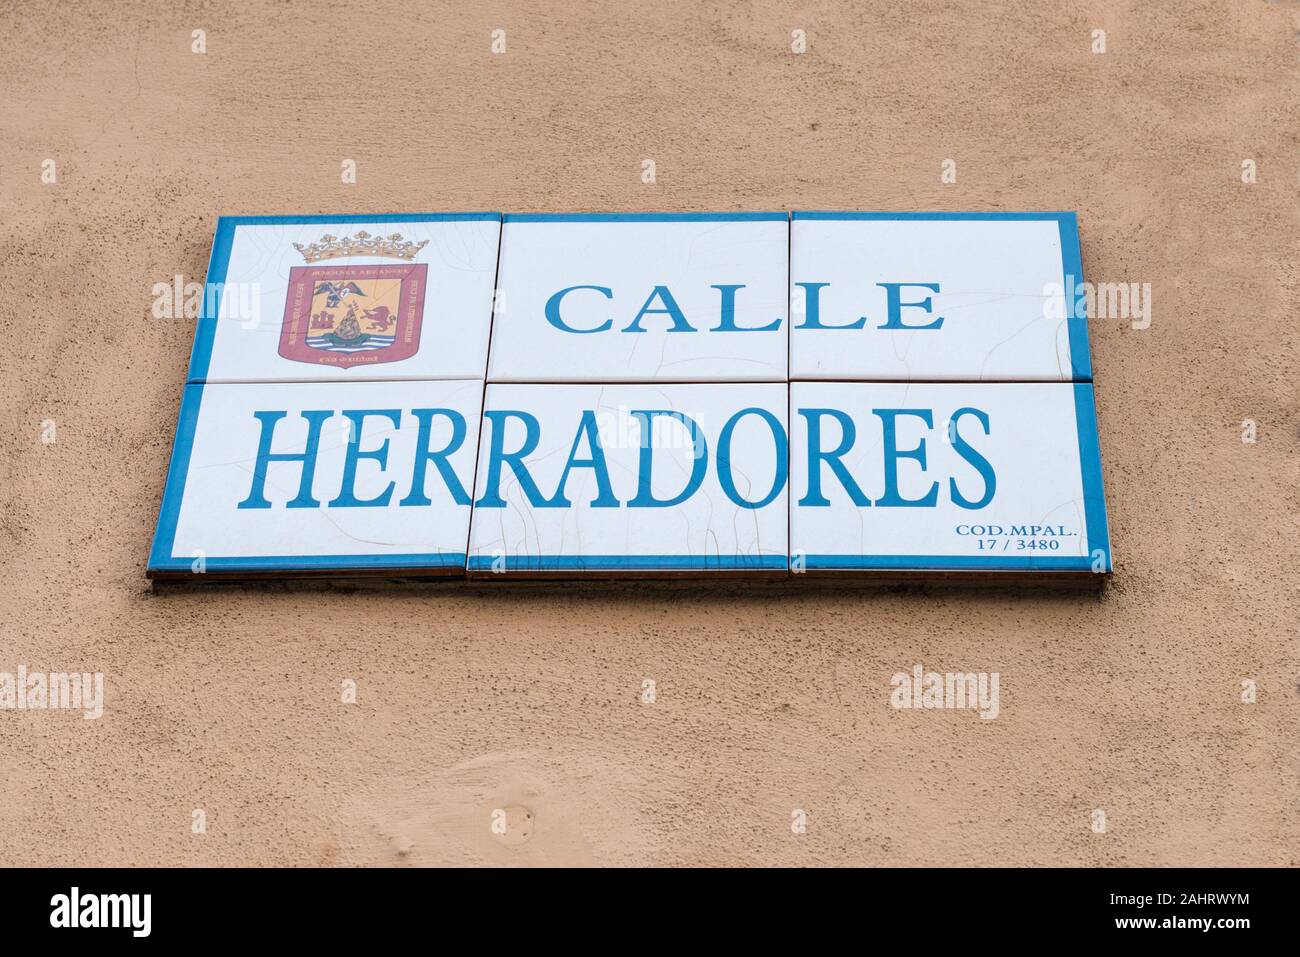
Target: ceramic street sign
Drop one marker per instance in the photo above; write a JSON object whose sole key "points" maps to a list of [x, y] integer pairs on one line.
{"points": [[642, 297], [946, 477], [315, 477], [631, 479], [936, 297], [639, 394], [347, 298]]}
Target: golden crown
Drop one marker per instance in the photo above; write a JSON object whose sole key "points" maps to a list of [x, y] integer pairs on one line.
{"points": [[362, 244]]}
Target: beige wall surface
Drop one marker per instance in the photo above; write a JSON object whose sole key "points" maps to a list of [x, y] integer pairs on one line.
{"points": [[768, 699]]}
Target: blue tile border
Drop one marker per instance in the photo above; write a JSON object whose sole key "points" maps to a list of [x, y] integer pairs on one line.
{"points": [[335, 563], [1094, 494], [205, 332], [644, 217], [1080, 352], [631, 562], [937, 563], [922, 215], [356, 218], [160, 558]]}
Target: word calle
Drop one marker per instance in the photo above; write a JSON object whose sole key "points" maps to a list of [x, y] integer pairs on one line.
{"points": [[661, 302]]}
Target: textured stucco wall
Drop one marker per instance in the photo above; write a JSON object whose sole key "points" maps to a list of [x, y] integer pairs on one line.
{"points": [[767, 699]]}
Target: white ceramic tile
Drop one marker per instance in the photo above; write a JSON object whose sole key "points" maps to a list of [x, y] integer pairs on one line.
{"points": [[936, 296], [310, 298], [603, 519], [635, 298], [230, 507], [946, 476]]}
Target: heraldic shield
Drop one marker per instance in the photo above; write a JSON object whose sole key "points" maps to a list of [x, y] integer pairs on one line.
{"points": [[347, 315]]}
